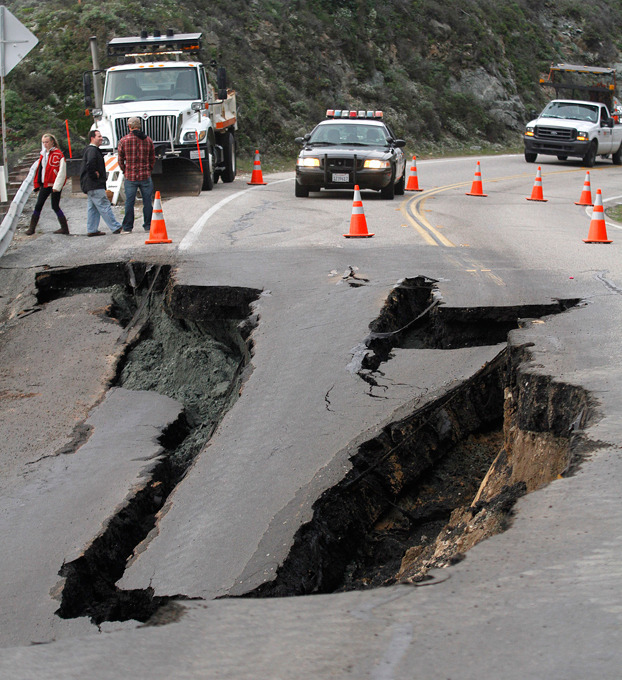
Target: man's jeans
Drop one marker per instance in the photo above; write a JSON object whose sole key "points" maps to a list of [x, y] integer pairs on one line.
{"points": [[146, 191], [99, 205]]}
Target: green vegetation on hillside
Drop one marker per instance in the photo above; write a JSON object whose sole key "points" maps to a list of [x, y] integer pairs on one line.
{"points": [[447, 75]]}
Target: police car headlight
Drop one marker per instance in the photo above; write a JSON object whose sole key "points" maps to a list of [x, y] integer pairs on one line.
{"points": [[376, 165], [308, 162]]}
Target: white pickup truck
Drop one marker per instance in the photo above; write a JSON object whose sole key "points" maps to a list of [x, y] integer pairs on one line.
{"points": [[572, 128]]}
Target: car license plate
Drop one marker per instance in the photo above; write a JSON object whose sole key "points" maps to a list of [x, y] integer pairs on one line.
{"points": [[195, 154], [341, 177]]}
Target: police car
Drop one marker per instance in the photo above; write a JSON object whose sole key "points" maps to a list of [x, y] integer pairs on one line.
{"points": [[349, 148]]}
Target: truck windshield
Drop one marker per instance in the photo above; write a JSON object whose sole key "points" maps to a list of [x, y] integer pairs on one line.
{"points": [[140, 85], [571, 111]]}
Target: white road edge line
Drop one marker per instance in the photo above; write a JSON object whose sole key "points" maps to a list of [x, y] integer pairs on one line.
{"points": [[194, 232], [607, 222]]}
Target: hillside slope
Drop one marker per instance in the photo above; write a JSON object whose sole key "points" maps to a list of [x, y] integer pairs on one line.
{"points": [[447, 77]]}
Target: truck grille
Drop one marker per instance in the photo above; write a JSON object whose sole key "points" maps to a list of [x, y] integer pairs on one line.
{"points": [[555, 133], [155, 127]]}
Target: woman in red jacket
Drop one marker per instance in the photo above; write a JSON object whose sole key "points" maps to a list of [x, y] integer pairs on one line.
{"points": [[49, 179]]}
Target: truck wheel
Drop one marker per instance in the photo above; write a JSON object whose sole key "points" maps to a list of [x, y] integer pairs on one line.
{"points": [[229, 153], [208, 168], [590, 157], [530, 157], [617, 156]]}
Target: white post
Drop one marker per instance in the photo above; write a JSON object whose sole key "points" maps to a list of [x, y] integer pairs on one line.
{"points": [[2, 67]]}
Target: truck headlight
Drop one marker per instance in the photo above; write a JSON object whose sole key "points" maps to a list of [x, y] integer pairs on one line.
{"points": [[192, 137], [308, 162], [105, 141], [376, 165], [582, 136], [529, 132]]}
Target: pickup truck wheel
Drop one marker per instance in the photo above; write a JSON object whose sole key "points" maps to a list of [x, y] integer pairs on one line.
{"points": [[208, 168], [530, 157], [617, 156], [590, 157], [229, 153], [300, 191]]}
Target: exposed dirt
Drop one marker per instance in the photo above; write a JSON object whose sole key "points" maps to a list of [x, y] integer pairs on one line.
{"points": [[187, 343], [429, 487]]}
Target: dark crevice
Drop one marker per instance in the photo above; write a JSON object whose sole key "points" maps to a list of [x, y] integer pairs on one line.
{"points": [[90, 580], [414, 317], [190, 343], [429, 486]]}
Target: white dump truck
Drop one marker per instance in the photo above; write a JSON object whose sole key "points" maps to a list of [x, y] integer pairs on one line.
{"points": [[583, 125], [191, 122]]}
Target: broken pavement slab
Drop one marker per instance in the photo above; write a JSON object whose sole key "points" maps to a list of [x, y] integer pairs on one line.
{"points": [[41, 527]]}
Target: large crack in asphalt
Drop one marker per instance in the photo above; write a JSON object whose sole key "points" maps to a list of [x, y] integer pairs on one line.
{"points": [[418, 495], [191, 344], [433, 484]]}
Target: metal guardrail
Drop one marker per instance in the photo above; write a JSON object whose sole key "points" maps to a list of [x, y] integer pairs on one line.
{"points": [[9, 223]]}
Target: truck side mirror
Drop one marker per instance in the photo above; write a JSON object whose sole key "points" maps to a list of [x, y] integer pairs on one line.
{"points": [[607, 122], [221, 82], [87, 83]]}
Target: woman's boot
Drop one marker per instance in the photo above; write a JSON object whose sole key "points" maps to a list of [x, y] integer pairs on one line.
{"points": [[64, 227], [33, 224]]}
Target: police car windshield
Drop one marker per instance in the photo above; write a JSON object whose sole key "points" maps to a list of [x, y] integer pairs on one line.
{"points": [[349, 134]]}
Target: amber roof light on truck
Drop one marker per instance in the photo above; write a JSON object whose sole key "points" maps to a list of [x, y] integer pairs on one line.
{"points": [[147, 45], [344, 113]]}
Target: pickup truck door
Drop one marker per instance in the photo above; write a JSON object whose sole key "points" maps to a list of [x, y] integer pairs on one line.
{"points": [[605, 134]]}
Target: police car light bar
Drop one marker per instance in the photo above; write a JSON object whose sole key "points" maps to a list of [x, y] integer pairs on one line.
{"points": [[339, 113], [187, 43]]}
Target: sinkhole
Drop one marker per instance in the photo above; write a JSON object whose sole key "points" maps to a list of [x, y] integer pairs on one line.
{"points": [[418, 495], [431, 485]]}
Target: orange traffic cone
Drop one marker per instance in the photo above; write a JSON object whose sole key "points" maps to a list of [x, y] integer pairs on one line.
{"points": [[413, 183], [598, 229], [476, 187], [586, 194], [536, 192], [358, 223], [157, 231], [257, 177]]}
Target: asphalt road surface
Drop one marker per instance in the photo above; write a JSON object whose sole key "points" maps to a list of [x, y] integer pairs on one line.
{"points": [[541, 600]]}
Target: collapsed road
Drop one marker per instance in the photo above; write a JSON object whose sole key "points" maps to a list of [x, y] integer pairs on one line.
{"points": [[285, 413]]}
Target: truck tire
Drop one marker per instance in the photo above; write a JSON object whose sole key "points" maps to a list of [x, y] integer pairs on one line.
{"points": [[617, 156], [208, 168], [530, 157], [229, 153], [590, 157]]}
